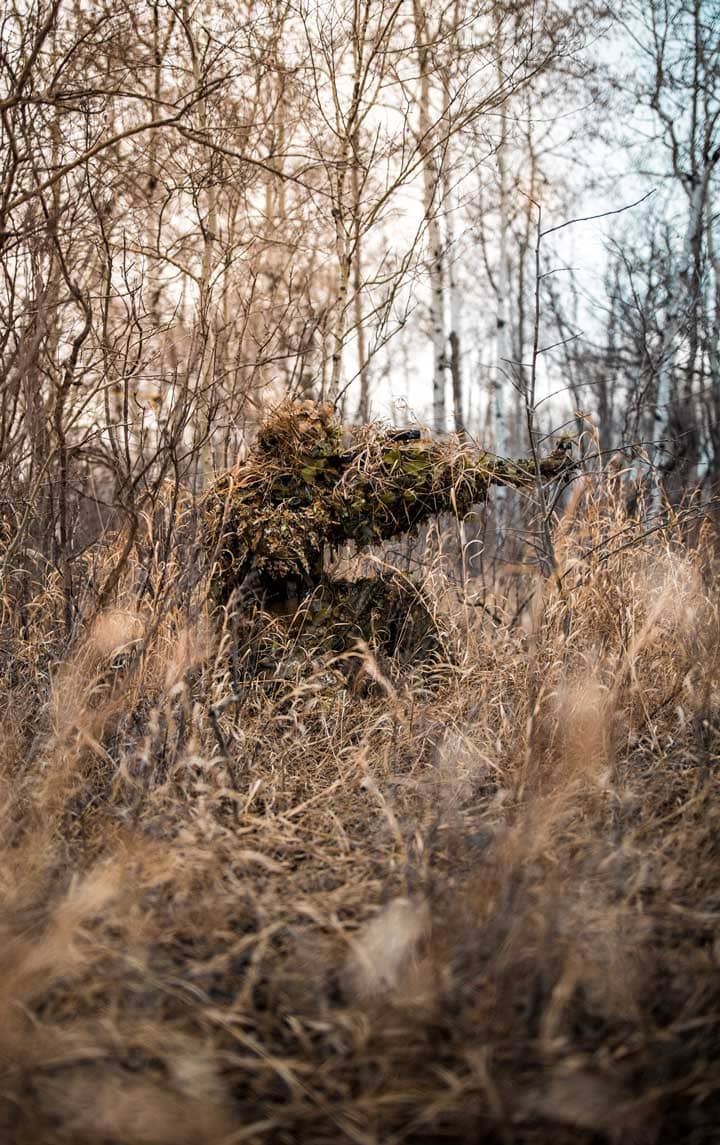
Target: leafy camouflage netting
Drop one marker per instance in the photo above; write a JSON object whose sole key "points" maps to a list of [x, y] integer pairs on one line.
{"points": [[308, 485], [388, 613]]}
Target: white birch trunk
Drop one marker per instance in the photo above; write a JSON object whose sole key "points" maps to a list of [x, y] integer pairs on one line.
{"points": [[450, 205], [348, 223], [437, 320], [364, 403], [501, 321], [431, 181], [342, 252], [714, 340], [456, 364]]}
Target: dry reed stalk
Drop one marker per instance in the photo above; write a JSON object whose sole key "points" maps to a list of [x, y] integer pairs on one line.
{"points": [[482, 905]]}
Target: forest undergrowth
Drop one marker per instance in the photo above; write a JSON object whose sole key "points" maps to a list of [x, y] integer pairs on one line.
{"points": [[474, 901]]}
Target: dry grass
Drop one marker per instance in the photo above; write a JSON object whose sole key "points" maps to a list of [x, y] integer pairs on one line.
{"points": [[483, 906]]}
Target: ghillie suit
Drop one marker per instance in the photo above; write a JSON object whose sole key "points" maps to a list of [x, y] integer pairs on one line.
{"points": [[322, 639], [307, 487]]}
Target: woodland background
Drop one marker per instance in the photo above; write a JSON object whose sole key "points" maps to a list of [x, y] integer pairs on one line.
{"points": [[345, 898], [207, 206]]}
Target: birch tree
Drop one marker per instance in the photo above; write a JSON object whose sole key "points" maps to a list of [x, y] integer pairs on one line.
{"points": [[660, 310], [683, 52], [425, 38]]}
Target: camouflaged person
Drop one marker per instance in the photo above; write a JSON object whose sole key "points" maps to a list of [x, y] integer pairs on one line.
{"points": [[308, 487]]}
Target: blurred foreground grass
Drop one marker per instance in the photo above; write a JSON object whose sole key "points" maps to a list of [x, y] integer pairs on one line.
{"points": [[477, 903]]}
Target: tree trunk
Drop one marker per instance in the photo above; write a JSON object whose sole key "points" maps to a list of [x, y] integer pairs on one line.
{"points": [[431, 181], [454, 296], [501, 321]]}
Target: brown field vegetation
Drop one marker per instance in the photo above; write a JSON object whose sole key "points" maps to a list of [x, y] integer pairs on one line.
{"points": [[478, 901]]}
